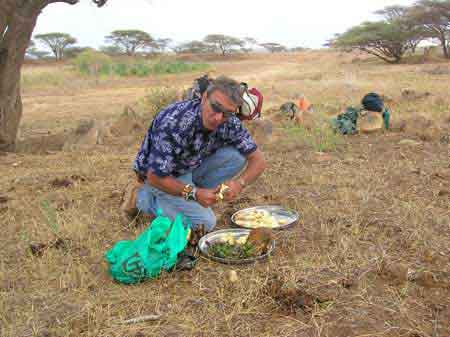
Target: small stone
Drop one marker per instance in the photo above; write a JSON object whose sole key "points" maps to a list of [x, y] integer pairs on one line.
{"points": [[443, 193], [232, 276], [409, 142]]}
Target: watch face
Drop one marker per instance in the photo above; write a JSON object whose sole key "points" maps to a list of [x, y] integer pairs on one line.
{"points": [[191, 195]]}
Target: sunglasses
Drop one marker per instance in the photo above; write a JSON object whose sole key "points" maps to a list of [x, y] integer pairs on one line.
{"points": [[217, 108]]}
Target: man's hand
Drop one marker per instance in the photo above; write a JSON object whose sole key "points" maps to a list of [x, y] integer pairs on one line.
{"points": [[234, 190], [207, 197]]}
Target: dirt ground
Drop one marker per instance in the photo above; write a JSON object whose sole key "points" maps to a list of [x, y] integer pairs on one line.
{"points": [[369, 257]]}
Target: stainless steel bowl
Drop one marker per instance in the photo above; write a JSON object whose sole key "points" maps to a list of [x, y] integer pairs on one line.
{"points": [[278, 212], [213, 237]]}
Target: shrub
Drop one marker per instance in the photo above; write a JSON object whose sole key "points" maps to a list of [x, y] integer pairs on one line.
{"points": [[120, 69], [94, 63], [177, 67], [157, 99]]}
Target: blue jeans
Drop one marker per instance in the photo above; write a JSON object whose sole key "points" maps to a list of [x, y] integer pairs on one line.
{"points": [[221, 166]]}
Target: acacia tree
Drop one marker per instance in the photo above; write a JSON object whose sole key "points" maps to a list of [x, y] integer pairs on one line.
{"points": [[130, 41], [273, 47], [194, 47], [17, 22], [33, 52], [249, 44], [399, 15], [56, 42], [434, 17], [223, 43], [162, 44], [385, 40]]}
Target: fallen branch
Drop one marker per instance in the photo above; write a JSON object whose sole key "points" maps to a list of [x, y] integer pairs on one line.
{"points": [[141, 319]]}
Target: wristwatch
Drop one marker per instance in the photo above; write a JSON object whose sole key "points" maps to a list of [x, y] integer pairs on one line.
{"points": [[189, 192]]}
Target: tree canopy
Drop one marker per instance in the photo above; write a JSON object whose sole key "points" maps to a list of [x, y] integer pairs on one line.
{"points": [[56, 42], [194, 47], [402, 29], [223, 43], [17, 22], [274, 47], [130, 41], [434, 17], [385, 40]]}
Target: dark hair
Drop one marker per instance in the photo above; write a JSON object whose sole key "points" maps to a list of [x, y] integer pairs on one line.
{"points": [[228, 87]]}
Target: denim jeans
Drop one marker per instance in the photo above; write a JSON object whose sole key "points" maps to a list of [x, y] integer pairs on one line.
{"points": [[221, 166]]}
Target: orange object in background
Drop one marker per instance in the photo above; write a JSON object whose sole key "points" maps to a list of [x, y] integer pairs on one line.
{"points": [[304, 104]]}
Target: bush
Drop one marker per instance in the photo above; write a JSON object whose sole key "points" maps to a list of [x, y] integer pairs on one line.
{"points": [[140, 69], [132, 69], [157, 99], [91, 62], [177, 67], [95, 63], [120, 69]]}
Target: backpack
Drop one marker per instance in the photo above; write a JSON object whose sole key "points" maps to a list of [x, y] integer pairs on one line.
{"points": [[198, 88], [252, 103]]}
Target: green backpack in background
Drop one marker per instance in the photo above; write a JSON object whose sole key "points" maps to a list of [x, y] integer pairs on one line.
{"points": [[157, 248]]}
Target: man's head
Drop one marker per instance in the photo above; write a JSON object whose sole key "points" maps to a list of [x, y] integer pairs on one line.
{"points": [[220, 101]]}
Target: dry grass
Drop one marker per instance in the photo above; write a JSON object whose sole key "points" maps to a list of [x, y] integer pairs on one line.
{"points": [[371, 209]]}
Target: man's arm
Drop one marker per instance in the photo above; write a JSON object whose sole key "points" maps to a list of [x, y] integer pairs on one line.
{"points": [[256, 164], [173, 186], [166, 184]]}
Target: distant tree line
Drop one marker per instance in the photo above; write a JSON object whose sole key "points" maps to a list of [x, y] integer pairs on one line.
{"points": [[400, 31], [137, 42]]}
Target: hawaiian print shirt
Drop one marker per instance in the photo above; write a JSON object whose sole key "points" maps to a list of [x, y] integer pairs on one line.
{"points": [[177, 143]]}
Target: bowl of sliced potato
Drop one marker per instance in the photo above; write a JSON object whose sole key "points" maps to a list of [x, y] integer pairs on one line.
{"points": [[273, 217], [236, 246]]}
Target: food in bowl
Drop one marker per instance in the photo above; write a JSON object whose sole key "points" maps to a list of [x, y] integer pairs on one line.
{"points": [[256, 219]]}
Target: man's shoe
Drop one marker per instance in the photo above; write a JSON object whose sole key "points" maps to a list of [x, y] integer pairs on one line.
{"points": [[185, 261], [196, 235], [129, 198]]}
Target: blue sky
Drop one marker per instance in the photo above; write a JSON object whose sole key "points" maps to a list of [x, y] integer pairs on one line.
{"points": [[292, 23]]}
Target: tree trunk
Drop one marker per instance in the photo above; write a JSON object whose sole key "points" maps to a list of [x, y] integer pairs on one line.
{"points": [[445, 50], [443, 40], [15, 34]]}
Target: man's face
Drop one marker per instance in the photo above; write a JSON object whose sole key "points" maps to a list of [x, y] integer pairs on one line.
{"points": [[216, 109]]}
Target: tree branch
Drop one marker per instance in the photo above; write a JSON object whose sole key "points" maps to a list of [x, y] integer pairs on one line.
{"points": [[70, 2], [369, 51], [99, 3]]}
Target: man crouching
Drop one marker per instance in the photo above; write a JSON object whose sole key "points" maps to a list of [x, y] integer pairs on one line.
{"points": [[191, 148]]}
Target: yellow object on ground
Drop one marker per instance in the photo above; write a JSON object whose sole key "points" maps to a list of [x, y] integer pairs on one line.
{"points": [[370, 121]]}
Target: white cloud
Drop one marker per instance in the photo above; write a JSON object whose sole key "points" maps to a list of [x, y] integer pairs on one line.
{"points": [[293, 23]]}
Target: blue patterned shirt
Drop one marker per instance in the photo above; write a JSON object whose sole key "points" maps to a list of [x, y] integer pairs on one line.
{"points": [[177, 143]]}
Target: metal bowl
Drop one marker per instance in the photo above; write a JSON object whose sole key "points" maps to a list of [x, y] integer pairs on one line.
{"points": [[216, 236], [278, 212]]}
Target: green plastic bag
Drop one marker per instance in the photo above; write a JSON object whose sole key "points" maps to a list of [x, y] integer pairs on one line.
{"points": [[157, 248], [345, 123]]}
